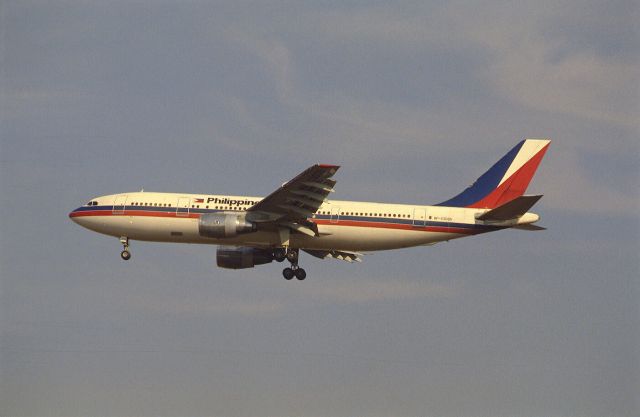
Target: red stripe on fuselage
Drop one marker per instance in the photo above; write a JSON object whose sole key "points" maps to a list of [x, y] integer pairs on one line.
{"points": [[396, 226]]}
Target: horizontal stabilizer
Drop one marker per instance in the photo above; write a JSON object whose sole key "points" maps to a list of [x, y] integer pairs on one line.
{"points": [[511, 210], [529, 227]]}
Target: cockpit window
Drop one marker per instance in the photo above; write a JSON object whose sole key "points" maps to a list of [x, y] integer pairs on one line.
{"points": [[92, 203]]}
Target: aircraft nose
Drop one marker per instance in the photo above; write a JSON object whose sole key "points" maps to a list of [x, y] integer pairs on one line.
{"points": [[73, 215]]}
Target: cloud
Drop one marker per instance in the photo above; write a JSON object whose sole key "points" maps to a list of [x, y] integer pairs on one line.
{"points": [[569, 188], [535, 59], [534, 68], [546, 68], [275, 55], [581, 84]]}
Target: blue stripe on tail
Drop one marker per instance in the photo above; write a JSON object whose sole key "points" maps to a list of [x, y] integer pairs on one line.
{"points": [[486, 183]]}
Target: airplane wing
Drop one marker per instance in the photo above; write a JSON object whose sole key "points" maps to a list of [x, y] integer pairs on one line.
{"points": [[336, 254], [296, 200]]}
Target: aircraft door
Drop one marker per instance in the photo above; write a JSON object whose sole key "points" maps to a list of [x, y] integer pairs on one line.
{"points": [[182, 208], [419, 217], [335, 214], [119, 204]]}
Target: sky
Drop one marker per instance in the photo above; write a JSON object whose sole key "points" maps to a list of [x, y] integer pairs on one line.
{"points": [[414, 99]]}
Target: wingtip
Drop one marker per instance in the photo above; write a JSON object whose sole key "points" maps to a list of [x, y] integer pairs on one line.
{"points": [[329, 166]]}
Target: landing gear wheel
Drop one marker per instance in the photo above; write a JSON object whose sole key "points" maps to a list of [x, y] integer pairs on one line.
{"points": [[279, 255], [295, 270], [288, 273], [301, 274], [125, 254]]}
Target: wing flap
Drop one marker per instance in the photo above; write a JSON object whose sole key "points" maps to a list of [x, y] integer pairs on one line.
{"points": [[301, 228], [335, 254], [297, 210], [328, 187], [314, 196]]}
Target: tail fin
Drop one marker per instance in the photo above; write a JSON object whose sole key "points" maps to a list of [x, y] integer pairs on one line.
{"points": [[506, 180]]}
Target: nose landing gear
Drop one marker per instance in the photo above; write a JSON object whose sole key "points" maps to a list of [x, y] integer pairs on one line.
{"points": [[125, 254], [295, 270]]}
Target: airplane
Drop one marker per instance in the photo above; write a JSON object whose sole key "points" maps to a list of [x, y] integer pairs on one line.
{"points": [[253, 231]]}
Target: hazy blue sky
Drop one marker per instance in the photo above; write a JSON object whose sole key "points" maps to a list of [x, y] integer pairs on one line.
{"points": [[414, 99]]}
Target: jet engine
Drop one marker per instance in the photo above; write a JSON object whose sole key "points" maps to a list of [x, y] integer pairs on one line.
{"points": [[234, 257], [219, 225]]}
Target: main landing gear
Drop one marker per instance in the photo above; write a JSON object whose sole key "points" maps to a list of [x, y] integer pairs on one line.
{"points": [[125, 254], [292, 256]]}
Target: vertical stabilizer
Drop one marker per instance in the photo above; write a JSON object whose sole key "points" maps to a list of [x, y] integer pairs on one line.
{"points": [[506, 180]]}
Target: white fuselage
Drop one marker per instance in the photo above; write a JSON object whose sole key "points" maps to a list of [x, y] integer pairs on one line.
{"points": [[342, 225]]}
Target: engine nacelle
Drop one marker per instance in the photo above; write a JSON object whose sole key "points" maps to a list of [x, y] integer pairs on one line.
{"points": [[220, 225], [234, 257]]}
